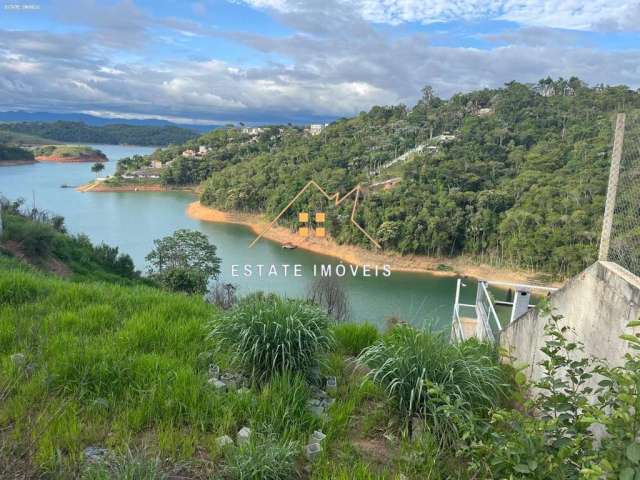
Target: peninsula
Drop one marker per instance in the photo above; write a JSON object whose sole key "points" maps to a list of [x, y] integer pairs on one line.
{"points": [[69, 154]]}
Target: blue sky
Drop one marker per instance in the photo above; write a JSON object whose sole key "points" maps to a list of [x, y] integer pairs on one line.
{"points": [[289, 60]]}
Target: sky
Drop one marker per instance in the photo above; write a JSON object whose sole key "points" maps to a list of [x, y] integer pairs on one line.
{"points": [[271, 61]]}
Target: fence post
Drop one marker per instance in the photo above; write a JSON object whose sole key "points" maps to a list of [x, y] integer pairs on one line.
{"points": [[612, 189]]}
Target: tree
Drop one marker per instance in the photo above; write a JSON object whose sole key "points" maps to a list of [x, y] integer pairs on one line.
{"points": [[184, 261], [330, 295], [97, 168]]}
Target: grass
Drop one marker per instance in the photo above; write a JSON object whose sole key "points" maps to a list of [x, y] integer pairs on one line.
{"points": [[125, 368], [268, 334], [263, 458], [441, 383], [352, 338], [48, 248]]}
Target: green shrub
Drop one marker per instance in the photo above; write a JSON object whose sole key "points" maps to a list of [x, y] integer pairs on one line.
{"points": [[352, 338], [263, 458], [269, 334], [428, 377], [35, 239], [183, 279], [553, 435]]}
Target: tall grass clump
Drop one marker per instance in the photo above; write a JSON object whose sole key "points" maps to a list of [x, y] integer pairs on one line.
{"points": [[427, 377], [267, 334], [352, 338], [281, 406], [263, 458]]}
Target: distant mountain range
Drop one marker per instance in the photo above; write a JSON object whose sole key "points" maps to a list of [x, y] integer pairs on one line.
{"points": [[64, 131], [22, 116]]}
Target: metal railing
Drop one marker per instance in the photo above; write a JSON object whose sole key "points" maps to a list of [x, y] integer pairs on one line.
{"points": [[487, 322]]}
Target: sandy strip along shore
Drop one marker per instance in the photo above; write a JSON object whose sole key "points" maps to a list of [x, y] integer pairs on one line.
{"points": [[460, 266]]}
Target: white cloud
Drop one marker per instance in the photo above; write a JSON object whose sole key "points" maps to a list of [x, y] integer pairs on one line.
{"points": [[568, 14]]}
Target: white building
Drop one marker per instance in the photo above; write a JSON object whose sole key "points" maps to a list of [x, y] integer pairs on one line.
{"points": [[253, 131], [315, 128]]}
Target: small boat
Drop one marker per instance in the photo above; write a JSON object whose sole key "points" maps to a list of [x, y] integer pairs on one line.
{"points": [[289, 246]]}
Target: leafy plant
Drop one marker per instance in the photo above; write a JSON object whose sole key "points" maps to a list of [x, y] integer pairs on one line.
{"points": [[554, 435], [430, 378], [269, 334]]}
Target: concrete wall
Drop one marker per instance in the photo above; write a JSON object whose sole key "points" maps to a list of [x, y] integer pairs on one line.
{"points": [[598, 303]]}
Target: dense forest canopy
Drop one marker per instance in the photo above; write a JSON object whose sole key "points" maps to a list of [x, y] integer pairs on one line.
{"points": [[515, 175], [79, 132], [8, 153]]}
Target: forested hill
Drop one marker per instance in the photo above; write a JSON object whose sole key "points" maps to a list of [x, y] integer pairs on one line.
{"points": [[78, 132], [515, 175]]}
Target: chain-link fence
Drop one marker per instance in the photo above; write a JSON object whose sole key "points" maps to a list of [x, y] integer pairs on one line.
{"points": [[620, 241]]}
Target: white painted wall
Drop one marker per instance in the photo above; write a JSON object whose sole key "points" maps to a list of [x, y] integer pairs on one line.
{"points": [[598, 303]]}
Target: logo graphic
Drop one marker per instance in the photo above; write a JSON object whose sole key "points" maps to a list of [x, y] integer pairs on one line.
{"points": [[320, 217]]}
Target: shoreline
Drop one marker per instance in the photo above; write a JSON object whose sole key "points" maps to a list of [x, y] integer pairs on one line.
{"points": [[460, 266], [80, 159], [151, 187], [13, 163]]}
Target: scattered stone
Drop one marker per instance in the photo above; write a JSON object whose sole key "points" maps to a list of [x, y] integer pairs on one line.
{"points": [[332, 384], [243, 391], [214, 371], [231, 380], [402, 476], [318, 393], [95, 454], [318, 411], [312, 451], [19, 359], [243, 435], [224, 440], [218, 384], [317, 437]]}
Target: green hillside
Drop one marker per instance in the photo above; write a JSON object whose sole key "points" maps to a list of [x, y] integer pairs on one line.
{"points": [[8, 153], [41, 240], [514, 176], [18, 139], [78, 132]]}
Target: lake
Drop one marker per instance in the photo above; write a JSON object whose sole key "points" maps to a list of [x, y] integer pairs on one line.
{"points": [[132, 220]]}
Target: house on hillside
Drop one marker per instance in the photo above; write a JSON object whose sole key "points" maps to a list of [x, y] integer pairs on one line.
{"points": [[145, 173], [445, 137], [189, 153], [484, 112], [253, 131], [315, 128]]}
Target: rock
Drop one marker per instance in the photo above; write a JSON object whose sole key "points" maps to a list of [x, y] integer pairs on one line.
{"points": [[243, 391], [19, 359], [218, 384], [224, 440], [318, 411], [95, 454], [214, 371], [312, 451], [332, 384], [230, 380], [244, 434], [318, 393], [317, 437]]}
